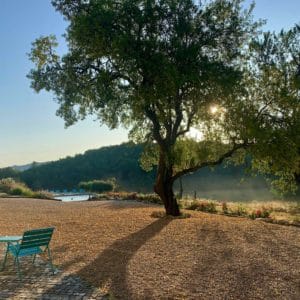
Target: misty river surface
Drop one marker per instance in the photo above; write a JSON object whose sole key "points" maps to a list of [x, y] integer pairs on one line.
{"points": [[70, 198]]}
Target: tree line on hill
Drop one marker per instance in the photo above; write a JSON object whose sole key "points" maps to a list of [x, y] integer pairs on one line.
{"points": [[122, 163]]}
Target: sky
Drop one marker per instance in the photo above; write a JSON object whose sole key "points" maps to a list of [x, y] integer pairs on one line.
{"points": [[29, 128]]}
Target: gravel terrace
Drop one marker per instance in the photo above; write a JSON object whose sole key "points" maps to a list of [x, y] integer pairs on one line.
{"points": [[119, 248]]}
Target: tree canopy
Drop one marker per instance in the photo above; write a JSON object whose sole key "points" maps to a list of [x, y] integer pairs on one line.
{"points": [[161, 68]]}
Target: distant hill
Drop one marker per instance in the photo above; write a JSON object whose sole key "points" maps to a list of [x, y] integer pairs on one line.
{"points": [[27, 167], [122, 163], [119, 161]]}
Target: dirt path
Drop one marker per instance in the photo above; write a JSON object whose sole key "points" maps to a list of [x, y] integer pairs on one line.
{"points": [[118, 247]]}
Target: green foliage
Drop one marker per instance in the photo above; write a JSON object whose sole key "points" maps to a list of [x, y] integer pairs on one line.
{"points": [[8, 173], [119, 161], [163, 67], [42, 52], [98, 186], [11, 187], [149, 71]]}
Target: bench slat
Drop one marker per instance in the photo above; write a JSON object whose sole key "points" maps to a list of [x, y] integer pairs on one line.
{"points": [[39, 231], [37, 237]]}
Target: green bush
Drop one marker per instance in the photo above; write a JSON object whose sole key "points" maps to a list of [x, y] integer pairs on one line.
{"points": [[98, 186], [16, 191]]}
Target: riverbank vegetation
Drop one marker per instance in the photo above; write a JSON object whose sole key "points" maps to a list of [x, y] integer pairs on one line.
{"points": [[98, 186], [276, 211], [11, 187]]}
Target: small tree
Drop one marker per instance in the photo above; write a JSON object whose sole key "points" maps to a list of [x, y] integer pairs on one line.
{"points": [[161, 68]]}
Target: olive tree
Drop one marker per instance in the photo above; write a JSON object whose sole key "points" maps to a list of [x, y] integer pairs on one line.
{"points": [[161, 68]]}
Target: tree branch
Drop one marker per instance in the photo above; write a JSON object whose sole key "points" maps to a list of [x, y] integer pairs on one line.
{"points": [[156, 125], [178, 120], [211, 163], [188, 125]]}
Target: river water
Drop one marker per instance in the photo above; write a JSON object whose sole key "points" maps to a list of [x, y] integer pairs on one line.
{"points": [[72, 198]]}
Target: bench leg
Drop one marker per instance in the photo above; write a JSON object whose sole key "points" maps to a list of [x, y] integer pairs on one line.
{"points": [[50, 259], [33, 260], [18, 268], [4, 260]]}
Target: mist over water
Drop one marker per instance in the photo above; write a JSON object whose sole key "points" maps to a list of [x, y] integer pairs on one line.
{"points": [[223, 188]]}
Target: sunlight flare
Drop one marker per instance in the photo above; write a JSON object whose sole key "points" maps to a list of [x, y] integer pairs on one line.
{"points": [[213, 109]]}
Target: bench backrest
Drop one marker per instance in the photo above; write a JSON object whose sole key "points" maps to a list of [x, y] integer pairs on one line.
{"points": [[36, 238]]}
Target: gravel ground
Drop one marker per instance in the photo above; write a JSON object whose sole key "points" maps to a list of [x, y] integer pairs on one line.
{"points": [[120, 248]]}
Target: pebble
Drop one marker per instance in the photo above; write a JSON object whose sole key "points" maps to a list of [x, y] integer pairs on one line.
{"points": [[38, 282]]}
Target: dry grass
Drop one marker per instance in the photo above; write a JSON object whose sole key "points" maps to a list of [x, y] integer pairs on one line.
{"points": [[118, 246], [279, 210]]}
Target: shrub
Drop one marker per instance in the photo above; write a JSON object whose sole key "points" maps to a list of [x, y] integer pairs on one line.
{"points": [[295, 209], [16, 191], [149, 198], [152, 198], [206, 206], [7, 184], [193, 206], [42, 195], [99, 186], [225, 208], [240, 210], [12, 187], [260, 213], [122, 195]]}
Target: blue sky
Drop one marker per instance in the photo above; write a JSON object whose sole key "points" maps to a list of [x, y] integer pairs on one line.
{"points": [[29, 129]]}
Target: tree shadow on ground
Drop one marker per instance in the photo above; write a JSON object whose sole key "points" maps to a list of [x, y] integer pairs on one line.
{"points": [[109, 269], [125, 204], [238, 264]]}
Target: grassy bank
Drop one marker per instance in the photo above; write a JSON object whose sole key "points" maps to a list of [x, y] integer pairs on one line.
{"points": [[281, 212], [276, 211], [11, 187]]}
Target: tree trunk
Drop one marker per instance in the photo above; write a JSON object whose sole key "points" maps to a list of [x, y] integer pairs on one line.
{"points": [[164, 187]]}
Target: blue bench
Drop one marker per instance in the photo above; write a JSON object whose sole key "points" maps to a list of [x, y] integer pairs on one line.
{"points": [[33, 242]]}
